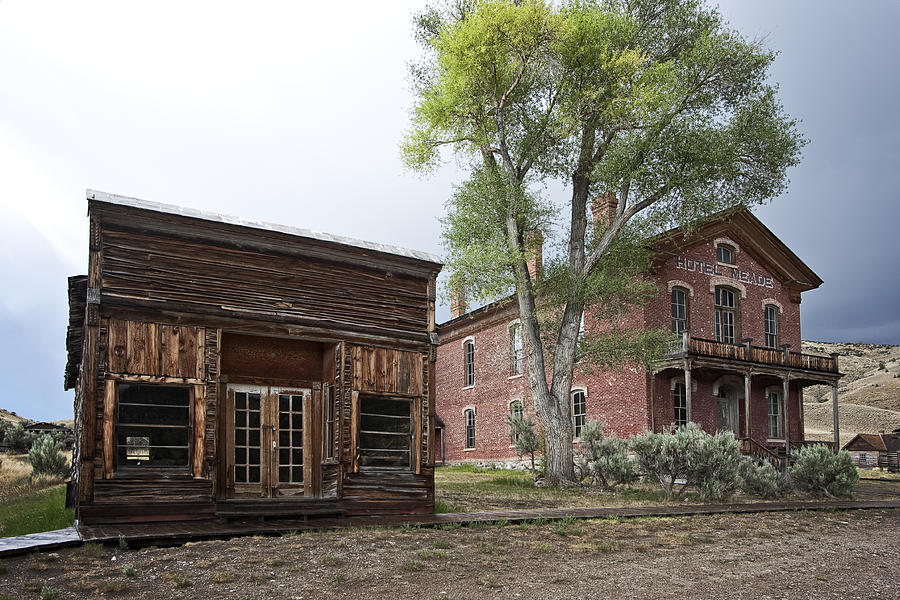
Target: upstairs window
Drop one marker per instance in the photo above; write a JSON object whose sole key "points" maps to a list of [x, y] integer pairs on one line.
{"points": [[469, 363], [726, 315], [679, 310], [516, 350], [771, 321], [469, 416], [724, 254], [153, 426], [679, 399], [579, 412], [774, 414]]}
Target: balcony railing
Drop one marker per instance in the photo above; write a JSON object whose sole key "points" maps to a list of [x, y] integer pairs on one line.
{"points": [[756, 354]]}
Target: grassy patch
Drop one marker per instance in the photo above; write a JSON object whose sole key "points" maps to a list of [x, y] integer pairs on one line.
{"points": [[35, 511], [441, 507]]}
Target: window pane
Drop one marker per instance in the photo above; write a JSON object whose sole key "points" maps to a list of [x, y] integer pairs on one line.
{"points": [[153, 423], [385, 433]]}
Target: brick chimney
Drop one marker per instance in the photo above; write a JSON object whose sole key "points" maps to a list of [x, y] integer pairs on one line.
{"points": [[535, 246], [603, 208], [457, 302]]}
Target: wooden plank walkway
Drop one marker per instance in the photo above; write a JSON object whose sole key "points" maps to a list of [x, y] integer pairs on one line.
{"points": [[175, 533]]}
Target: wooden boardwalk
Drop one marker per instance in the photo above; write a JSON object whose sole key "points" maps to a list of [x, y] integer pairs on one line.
{"points": [[175, 533]]}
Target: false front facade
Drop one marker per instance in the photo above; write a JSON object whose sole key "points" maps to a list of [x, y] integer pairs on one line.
{"points": [[225, 368], [729, 293]]}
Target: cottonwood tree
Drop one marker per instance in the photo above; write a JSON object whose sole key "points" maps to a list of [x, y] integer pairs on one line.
{"points": [[658, 102]]}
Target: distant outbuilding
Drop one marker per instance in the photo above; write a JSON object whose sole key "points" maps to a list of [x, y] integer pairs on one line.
{"points": [[876, 450]]}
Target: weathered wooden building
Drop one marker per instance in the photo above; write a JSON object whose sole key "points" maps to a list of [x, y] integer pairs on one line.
{"points": [[227, 368]]}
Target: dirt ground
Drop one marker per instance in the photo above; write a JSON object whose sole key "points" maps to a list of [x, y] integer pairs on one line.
{"points": [[786, 555]]}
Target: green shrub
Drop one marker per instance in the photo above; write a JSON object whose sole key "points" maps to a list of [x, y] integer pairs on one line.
{"points": [[692, 458], [527, 441], [46, 458], [821, 472], [603, 459], [759, 479], [49, 593]]}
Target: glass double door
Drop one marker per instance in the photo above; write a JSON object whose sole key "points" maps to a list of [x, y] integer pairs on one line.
{"points": [[268, 435]]}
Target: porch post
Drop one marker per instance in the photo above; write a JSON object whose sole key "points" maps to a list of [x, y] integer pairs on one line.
{"points": [[653, 402], [787, 420], [747, 404], [834, 409], [687, 387]]}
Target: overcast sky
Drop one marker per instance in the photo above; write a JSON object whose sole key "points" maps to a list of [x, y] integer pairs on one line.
{"points": [[293, 115]]}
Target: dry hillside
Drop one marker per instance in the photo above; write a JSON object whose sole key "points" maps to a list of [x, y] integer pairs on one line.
{"points": [[869, 392], [12, 417]]}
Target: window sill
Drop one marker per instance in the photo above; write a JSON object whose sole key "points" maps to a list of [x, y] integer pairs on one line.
{"points": [[729, 265], [774, 440], [469, 449], [468, 387], [516, 376]]}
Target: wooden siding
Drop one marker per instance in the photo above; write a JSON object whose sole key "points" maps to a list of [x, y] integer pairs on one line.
{"points": [[156, 349], [387, 371], [271, 358], [154, 271], [386, 493]]}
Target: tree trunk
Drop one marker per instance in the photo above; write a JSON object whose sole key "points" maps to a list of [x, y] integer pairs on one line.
{"points": [[559, 459]]}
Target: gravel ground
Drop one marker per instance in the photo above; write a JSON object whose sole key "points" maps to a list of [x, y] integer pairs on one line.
{"points": [[803, 554]]}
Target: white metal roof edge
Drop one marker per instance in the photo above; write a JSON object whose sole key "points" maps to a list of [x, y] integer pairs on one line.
{"points": [[231, 220]]}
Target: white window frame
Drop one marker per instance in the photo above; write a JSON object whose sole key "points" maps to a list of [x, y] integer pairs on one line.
{"points": [[576, 426]]}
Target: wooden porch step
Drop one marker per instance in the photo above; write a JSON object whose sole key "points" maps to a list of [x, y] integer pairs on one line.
{"points": [[263, 508]]}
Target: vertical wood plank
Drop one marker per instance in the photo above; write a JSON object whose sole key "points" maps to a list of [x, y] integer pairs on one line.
{"points": [[313, 483], [380, 355], [199, 410], [354, 432], [201, 353], [227, 461], [109, 430], [356, 361], [370, 369], [187, 351], [169, 340], [118, 346]]}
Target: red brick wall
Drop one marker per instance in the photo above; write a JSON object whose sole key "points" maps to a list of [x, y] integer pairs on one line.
{"points": [[701, 320]]}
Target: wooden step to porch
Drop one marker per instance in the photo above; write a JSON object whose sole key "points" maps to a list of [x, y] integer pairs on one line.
{"points": [[276, 508]]}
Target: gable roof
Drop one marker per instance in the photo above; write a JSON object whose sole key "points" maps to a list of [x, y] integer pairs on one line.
{"points": [[746, 229], [876, 442]]}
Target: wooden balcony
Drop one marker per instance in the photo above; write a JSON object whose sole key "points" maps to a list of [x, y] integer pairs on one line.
{"points": [[747, 353]]}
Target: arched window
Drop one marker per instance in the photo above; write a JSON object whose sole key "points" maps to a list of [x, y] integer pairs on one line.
{"points": [[469, 363], [469, 415], [773, 400], [579, 412], [771, 321], [727, 327], [516, 350], [679, 310], [516, 410], [679, 399], [725, 254]]}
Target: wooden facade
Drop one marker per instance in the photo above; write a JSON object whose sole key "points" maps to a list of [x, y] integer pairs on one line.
{"points": [[228, 369]]}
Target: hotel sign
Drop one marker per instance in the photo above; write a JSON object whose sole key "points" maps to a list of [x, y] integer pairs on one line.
{"points": [[705, 268]]}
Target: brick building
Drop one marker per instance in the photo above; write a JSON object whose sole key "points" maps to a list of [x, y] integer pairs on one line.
{"points": [[730, 292]]}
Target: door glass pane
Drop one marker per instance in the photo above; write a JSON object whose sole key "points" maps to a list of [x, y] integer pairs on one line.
{"points": [[290, 438], [247, 447]]}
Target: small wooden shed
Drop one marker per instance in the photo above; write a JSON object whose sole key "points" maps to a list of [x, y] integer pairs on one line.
{"points": [[876, 450], [228, 368]]}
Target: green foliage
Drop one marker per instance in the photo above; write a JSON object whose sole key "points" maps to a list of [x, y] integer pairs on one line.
{"points": [[49, 593], [759, 478], [526, 440], [821, 472], [129, 571], [15, 437], [603, 459], [690, 457], [46, 458]]}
